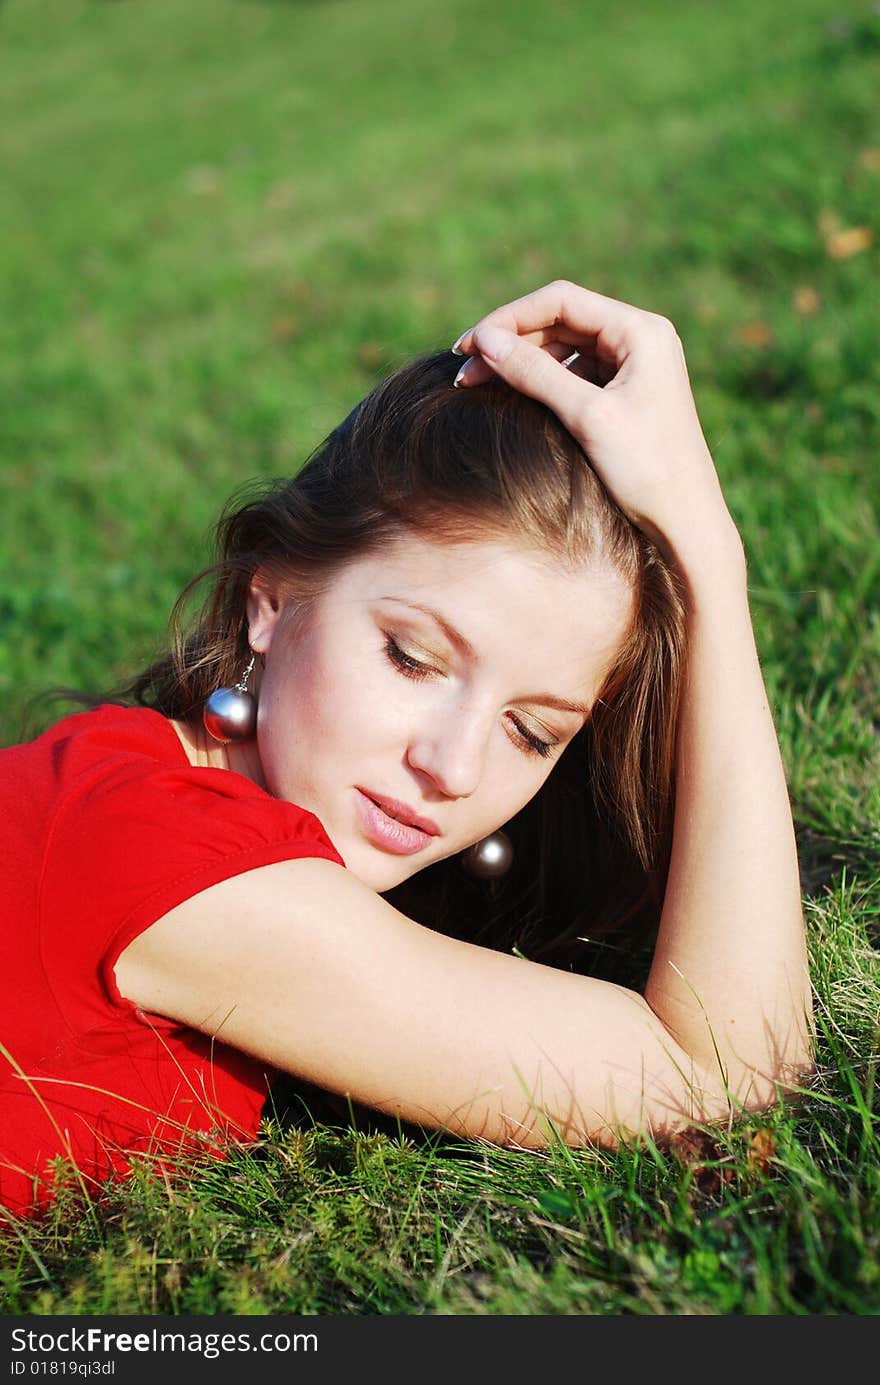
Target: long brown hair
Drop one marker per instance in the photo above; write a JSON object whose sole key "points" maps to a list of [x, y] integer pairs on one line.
{"points": [[592, 847]]}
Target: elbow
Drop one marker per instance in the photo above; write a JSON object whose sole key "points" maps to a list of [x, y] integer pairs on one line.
{"points": [[752, 1091], [784, 1074], [787, 1086]]}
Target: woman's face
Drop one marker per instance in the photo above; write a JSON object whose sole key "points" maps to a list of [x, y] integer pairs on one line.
{"points": [[429, 692]]}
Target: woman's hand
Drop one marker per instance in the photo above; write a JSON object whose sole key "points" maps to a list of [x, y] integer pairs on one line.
{"points": [[627, 400]]}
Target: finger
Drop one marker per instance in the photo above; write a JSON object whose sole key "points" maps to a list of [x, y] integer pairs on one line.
{"points": [[535, 372], [554, 305], [544, 336], [613, 326], [476, 371]]}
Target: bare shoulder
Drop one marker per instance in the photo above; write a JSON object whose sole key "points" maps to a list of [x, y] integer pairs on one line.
{"points": [[301, 965]]}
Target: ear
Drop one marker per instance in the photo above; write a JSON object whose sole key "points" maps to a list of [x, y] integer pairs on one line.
{"points": [[264, 606]]}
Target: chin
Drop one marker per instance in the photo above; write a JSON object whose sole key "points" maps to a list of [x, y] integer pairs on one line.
{"points": [[384, 873]]}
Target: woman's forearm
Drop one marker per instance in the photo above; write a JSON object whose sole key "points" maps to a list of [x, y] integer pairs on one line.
{"points": [[729, 980], [729, 977]]}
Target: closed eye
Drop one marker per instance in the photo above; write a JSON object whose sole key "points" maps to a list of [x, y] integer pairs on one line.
{"points": [[533, 743], [405, 663]]}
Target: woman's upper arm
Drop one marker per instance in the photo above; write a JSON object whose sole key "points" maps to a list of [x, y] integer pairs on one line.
{"points": [[301, 965]]}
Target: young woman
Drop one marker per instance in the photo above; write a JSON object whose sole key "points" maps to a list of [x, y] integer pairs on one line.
{"points": [[482, 673]]}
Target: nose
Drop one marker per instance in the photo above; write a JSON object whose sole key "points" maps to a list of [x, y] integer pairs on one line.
{"points": [[450, 750]]}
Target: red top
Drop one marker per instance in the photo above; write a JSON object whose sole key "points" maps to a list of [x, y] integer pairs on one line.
{"points": [[104, 827]]}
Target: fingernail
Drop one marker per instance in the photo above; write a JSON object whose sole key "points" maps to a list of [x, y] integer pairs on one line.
{"points": [[456, 346], [494, 343], [457, 381]]}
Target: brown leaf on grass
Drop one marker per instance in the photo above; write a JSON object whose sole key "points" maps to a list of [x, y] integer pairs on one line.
{"points": [[700, 1153], [754, 334], [204, 180], [372, 354], [762, 1148], [284, 329], [299, 291], [828, 222], [870, 159], [805, 300], [281, 196], [691, 1145], [851, 240], [427, 297]]}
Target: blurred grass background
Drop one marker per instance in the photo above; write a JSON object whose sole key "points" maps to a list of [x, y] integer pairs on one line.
{"points": [[221, 223]]}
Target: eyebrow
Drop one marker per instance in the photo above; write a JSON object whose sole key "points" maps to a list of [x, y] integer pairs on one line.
{"points": [[457, 639]]}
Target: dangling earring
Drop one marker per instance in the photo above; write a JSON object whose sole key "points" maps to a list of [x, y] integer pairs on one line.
{"points": [[490, 858], [231, 713]]}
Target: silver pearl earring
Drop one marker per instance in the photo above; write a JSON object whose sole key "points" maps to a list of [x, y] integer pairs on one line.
{"points": [[231, 713], [490, 858]]}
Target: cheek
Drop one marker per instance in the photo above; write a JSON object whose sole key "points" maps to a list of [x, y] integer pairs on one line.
{"points": [[326, 706], [303, 714], [512, 780]]}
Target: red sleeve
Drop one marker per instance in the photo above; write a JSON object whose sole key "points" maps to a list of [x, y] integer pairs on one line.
{"points": [[132, 839]]}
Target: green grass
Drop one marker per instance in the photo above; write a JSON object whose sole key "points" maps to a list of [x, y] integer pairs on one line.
{"points": [[221, 223]]}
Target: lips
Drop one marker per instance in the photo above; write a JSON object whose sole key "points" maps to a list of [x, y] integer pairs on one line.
{"points": [[393, 826], [401, 812]]}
